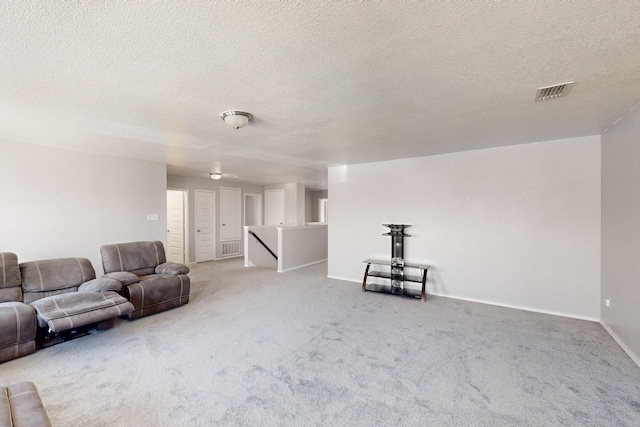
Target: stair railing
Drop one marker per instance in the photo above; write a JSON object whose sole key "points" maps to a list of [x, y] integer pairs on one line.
{"points": [[263, 244]]}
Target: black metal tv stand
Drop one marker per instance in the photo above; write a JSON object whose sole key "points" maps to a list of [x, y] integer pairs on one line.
{"points": [[396, 277]]}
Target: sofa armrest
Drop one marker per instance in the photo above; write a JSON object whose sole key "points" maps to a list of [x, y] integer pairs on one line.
{"points": [[26, 406], [123, 277], [172, 268], [102, 284]]}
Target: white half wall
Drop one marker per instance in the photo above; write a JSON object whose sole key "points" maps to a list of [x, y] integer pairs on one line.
{"points": [[62, 203], [621, 232], [301, 246], [516, 226]]}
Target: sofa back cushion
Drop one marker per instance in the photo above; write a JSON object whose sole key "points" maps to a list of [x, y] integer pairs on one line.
{"points": [[140, 258], [54, 276], [10, 289]]}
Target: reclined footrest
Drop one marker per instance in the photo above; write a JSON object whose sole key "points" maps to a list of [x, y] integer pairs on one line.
{"points": [[76, 309], [46, 338]]}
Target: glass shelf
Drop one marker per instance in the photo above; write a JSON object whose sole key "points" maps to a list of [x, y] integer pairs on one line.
{"points": [[401, 278]]}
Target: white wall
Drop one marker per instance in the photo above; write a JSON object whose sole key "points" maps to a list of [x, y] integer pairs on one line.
{"points": [[300, 205], [191, 184], [294, 204], [516, 226], [621, 232], [62, 203]]}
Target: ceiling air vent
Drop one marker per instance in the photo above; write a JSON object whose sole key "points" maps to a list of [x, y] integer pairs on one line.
{"points": [[555, 91]]}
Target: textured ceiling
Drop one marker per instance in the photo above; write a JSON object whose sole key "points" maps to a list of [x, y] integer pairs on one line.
{"points": [[328, 82]]}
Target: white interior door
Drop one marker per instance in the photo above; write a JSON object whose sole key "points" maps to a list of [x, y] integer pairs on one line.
{"points": [[175, 226], [274, 207], [205, 219], [230, 214], [252, 209]]}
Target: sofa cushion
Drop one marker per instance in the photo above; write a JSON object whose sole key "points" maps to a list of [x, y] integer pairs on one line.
{"points": [[140, 258], [123, 277], [17, 330], [72, 310], [11, 294], [55, 274], [9, 270], [9, 277], [102, 284], [158, 292], [172, 268], [29, 297]]}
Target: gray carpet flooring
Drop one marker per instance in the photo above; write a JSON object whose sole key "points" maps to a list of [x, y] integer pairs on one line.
{"points": [[258, 348]]}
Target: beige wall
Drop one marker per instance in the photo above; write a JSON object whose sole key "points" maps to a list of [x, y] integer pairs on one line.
{"points": [[516, 226], [62, 203], [621, 232]]}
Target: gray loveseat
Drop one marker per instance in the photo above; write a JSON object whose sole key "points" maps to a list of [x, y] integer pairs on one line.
{"points": [[150, 282]]}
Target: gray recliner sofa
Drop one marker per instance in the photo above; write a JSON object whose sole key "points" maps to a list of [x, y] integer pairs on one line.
{"points": [[66, 294], [55, 298], [17, 320], [150, 282]]}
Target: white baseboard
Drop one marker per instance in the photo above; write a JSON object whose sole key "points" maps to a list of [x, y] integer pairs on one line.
{"points": [[621, 343], [517, 307], [343, 279], [520, 307], [301, 266], [228, 257]]}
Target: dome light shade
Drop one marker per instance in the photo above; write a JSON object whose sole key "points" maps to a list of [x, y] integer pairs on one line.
{"points": [[236, 119], [215, 175]]}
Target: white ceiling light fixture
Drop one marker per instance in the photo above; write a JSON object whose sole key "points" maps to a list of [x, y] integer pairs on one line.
{"points": [[236, 119], [215, 175]]}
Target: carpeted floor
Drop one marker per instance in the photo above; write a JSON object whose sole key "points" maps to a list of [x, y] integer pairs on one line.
{"points": [[259, 348]]}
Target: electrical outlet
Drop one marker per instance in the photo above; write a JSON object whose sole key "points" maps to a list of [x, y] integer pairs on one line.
{"points": [[607, 302]]}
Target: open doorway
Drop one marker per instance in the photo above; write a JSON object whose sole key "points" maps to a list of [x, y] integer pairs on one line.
{"points": [[252, 209], [177, 226], [323, 214]]}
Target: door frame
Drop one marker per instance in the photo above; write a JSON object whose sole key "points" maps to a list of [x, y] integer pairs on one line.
{"points": [[322, 210], [213, 223], [186, 231], [259, 204]]}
